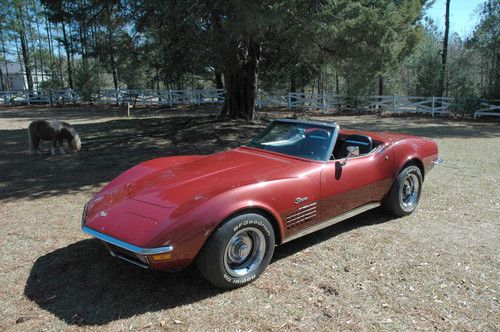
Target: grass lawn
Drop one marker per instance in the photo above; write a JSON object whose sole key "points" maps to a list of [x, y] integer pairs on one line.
{"points": [[435, 269]]}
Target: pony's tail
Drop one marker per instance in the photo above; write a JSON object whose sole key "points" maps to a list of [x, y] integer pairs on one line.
{"points": [[76, 142]]}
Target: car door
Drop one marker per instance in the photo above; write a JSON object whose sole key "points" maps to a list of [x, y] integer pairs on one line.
{"points": [[362, 180]]}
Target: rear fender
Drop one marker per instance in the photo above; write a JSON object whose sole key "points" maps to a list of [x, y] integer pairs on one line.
{"points": [[420, 150]]}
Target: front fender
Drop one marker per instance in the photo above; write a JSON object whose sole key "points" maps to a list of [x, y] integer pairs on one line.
{"points": [[190, 225]]}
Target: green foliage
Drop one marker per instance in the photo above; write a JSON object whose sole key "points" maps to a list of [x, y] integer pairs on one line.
{"points": [[486, 41], [51, 84], [292, 45], [427, 66], [466, 103], [87, 80]]}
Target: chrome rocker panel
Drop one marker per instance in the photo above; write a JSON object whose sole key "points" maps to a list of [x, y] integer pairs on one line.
{"points": [[329, 222]]}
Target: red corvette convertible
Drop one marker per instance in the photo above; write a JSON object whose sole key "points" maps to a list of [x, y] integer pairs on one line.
{"points": [[227, 211]]}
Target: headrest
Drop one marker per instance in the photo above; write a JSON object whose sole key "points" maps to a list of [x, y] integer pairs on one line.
{"points": [[362, 141]]}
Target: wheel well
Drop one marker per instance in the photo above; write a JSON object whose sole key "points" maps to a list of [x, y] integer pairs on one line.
{"points": [[417, 162], [269, 216]]}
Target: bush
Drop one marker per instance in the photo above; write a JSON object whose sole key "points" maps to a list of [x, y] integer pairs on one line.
{"points": [[87, 81], [51, 84], [465, 104]]}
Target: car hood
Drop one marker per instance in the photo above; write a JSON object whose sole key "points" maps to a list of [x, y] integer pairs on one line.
{"points": [[170, 186], [204, 177], [134, 211]]}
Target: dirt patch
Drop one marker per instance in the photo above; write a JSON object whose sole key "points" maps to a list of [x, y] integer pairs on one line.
{"points": [[435, 269]]}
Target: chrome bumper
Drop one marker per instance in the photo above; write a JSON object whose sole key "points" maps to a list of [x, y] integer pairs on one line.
{"points": [[127, 246], [438, 161], [126, 251]]}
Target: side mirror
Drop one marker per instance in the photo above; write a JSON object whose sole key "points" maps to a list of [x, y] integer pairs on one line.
{"points": [[352, 151]]}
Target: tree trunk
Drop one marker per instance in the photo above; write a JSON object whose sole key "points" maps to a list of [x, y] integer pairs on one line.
{"points": [[218, 80], [380, 85], [1, 80], [59, 56], [7, 82], [496, 86], [39, 37], [24, 48], [115, 72], [157, 78], [337, 88], [67, 48], [48, 30], [241, 85], [293, 86], [30, 39], [293, 83], [83, 43], [444, 55], [380, 88], [26, 60]]}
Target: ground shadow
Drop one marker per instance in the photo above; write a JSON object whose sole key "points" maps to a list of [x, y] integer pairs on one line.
{"points": [[427, 128], [68, 112], [108, 149], [82, 284], [97, 111], [111, 147], [369, 218], [419, 125]]}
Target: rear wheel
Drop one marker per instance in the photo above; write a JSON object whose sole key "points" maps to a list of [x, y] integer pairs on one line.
{"points": [[404, 195], [238, 251]]}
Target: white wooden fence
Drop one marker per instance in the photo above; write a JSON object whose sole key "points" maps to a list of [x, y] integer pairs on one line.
{"points": [[323, 101], [398, 104], [138, 97], [39, 97], [163, 97], [491, 108]]}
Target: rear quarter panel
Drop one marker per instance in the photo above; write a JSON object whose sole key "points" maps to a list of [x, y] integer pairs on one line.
{"points": [[420, 149]]}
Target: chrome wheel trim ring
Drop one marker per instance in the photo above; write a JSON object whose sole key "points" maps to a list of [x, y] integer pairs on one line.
{"points": [[409, 192], [244, 252]]}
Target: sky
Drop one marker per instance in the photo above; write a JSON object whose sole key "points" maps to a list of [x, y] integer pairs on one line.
{"points": [[464, 15]]}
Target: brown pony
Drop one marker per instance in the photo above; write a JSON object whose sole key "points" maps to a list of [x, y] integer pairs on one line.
{"points": [[56, 131]]}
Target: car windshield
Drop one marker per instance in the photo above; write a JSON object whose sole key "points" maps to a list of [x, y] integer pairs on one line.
{"points": [[296, 139]]}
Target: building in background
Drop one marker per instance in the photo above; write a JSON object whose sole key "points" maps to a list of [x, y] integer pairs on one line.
{"points": [[14, 77]]}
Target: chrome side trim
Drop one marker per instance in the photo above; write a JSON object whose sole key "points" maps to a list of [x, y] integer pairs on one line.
{"points": [[438, 161], [301, 215], [117, 255], [125, 245], [332, 221]]}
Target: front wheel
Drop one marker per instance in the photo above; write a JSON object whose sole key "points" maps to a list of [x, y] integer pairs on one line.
{"points": [[403, 197], [238, 251]]}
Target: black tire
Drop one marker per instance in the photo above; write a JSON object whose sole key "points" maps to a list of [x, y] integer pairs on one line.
{"points": [[219, 259], [399, 202]]}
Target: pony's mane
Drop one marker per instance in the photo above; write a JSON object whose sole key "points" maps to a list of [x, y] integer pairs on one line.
{"points": [[72, 131], [55, 124]]}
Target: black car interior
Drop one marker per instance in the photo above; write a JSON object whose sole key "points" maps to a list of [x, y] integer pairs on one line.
{"points": [[363, 142]]}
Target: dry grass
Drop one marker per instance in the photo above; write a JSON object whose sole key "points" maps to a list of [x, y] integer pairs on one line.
{"points": [[436, 269]]}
